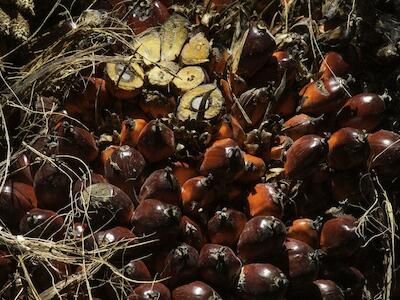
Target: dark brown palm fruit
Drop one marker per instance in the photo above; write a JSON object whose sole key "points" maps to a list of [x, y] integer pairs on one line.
{"points": [[52, 185], [384, 156], [46, 273], [363, 111], [261, 281], [150, 291], [163, 186], [107, 205], [350, 279], [300, 263], [7, 266], [261, 239], [286, 105], [323, 96], [183, 171], [286, 63], [16, 199], [255, 103], [333, 65], [196, 290], [304, 156], [226, 226], [198, 196], [305, 230], [77, 231], [46, 145], [137, 270], [146, 14], [300, 125], [348, 148], [314, 200], [21, 171], [114, 237], [156, 141], [266, 199], [223, 159], [219, 265], [157, 105], [257, 49], [230, 128], [155, 219], [327, 290], [345, 187], [41, 223], [191, 233], [87, 180], [77, 142], [104, 156], [254, 169], [130, 131], [339, 238], [125, 168], [182, 265]]}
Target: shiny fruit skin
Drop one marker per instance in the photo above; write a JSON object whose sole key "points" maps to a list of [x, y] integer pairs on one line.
{"points": [[77, 142], [125, 168], [339, 238], [156, 135], [333, 65], [261, 239], [261, 282], [322, 96], [304, 155], [150, 291], [265, 199], [196, 290], [348, 148], [161, 185], [304, 230], [219, 265], [363, 111], [182, 265], [384, 154], [224, 158], [130, 131], [226, 226], [157, 220], [16, 199], [254, 169], [42, 223], [183, 171], [191, 233], [329, 290], [300, 125], [142, 17], [107, 205]]}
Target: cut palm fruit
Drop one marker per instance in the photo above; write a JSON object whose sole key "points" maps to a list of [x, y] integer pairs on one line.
{"points": [[174, 33], [196, 51], [162, 74], [124, 80], [189, 77], [204, 102], [148, 47]]}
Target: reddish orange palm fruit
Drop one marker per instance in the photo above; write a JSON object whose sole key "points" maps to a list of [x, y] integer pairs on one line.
{"points": [[304, 156], [130, 131], [183, 171], [254, 169], [280, 147], [323, 96], [348, 148], [226, 226], [230, 128], [362, 111], [333, 65], [300, 125], [304, 230], [156, 135], [265, 199], [223, 158], [287, 104]]}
